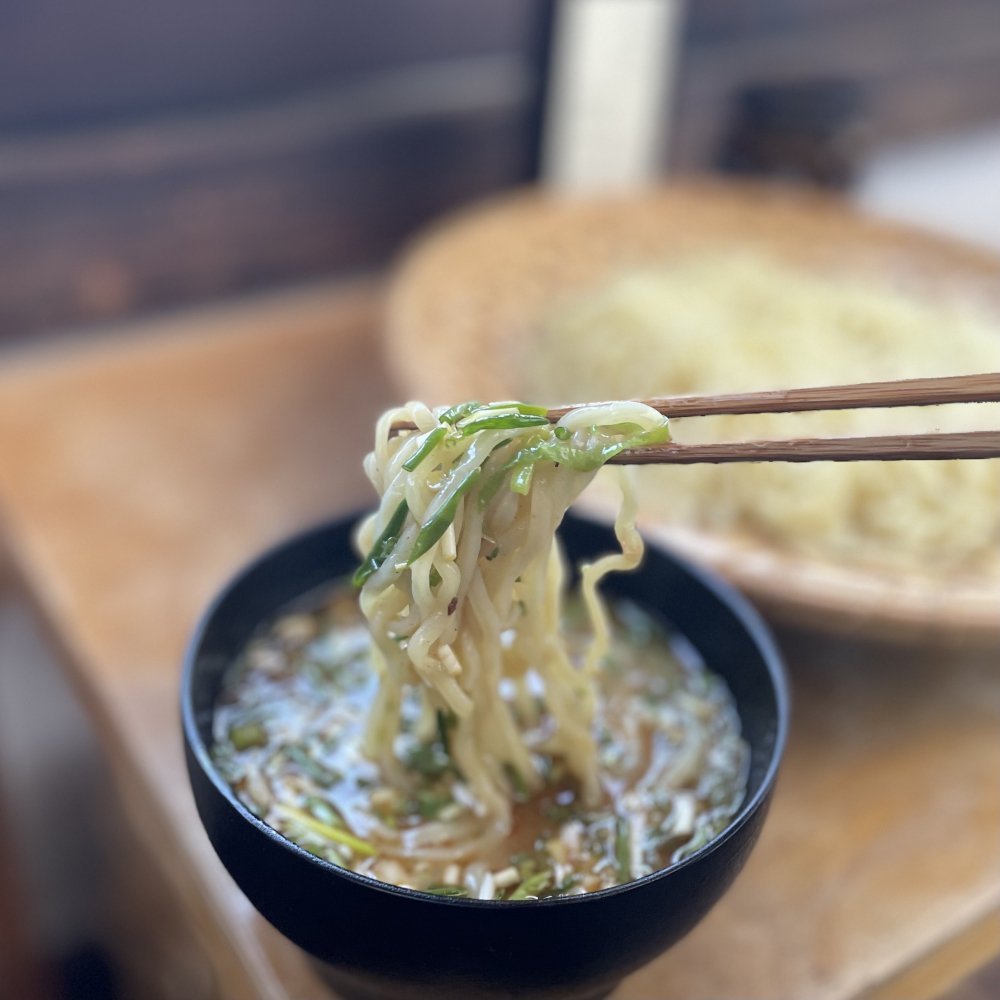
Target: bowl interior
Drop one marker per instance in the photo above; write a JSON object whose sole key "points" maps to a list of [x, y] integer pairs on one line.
{"points": [[728, 634], [568, 948]]}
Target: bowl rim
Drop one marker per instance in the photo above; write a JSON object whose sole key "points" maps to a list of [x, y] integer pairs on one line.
{"points": [[751, 620]]}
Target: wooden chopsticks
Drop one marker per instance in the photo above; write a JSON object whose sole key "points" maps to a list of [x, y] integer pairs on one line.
{"points": [[864, 395], [880, 448], [984, 388]]}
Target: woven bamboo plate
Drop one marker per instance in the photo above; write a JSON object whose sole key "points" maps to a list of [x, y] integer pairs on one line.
{"points": [[469, 294]]}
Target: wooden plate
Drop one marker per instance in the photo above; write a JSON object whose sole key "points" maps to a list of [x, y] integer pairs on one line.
{"points": [[471, 291]]}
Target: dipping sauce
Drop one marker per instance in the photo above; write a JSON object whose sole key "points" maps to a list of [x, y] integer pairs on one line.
{"points": [[289, 731]]}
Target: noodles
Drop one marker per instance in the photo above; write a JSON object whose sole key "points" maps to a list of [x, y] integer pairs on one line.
{"points": [[462, 584], [289, 739], [474, 734], [732, 322]]}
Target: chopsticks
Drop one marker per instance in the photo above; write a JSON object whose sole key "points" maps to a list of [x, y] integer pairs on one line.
{"points": [[984, 388], [979, 388], [863, 395], [879, 448]]}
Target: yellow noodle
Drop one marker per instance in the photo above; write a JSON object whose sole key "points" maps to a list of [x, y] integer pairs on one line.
{"points": [[740, 321], [482, 606]]}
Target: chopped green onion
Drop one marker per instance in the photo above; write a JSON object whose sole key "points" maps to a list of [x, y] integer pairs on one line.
{"points": [[428, 759], [495, 480], [502, 421], [429, 803], [312, 767], [517, 782], [430, 443], [491, 487], [324, 811], [447, 890], [533, 886], [457, 412], [590, 457], [245, 735], [445, 721], [525, 862], [569, 882], [529, 409], [330, 833], [438, 525], [383, 546], [623, 848], [562, 432], [520, 482]]}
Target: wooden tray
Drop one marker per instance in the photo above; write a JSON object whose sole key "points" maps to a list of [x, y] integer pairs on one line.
{"points": [[469, 293]]}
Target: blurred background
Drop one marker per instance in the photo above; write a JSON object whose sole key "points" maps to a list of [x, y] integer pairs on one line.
{"points": [[155, 157]]}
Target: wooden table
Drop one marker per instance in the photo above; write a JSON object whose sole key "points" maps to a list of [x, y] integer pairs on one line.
{"points": [[138, 472]]}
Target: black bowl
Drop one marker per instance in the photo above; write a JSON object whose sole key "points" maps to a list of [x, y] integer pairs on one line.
{"points": [[383, 941]]}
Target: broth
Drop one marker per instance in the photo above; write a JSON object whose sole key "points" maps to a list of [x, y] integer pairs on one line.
{"points": [[288, 738]]}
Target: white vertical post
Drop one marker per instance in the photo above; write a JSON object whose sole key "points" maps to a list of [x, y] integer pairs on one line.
{"points": [[609, 93]]}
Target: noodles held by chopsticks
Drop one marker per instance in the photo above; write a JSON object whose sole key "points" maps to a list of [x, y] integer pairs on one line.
{"points": [[462, 587]]}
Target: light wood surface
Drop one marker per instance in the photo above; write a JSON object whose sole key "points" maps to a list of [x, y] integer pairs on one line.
{"points": [[469, 298], [136, 476]]}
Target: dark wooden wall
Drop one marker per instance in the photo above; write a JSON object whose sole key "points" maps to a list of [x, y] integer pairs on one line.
{"points": [[153, 155], [158, 154]]}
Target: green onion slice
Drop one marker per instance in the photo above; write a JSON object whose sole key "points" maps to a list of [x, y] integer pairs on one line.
{"points": [[383, 546], [447, 890], [533, 885], [438, 524], [310, 766], [328, 832], [456, 413], [430, 443], [502, 421], [623, 849], [245, 735]]}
